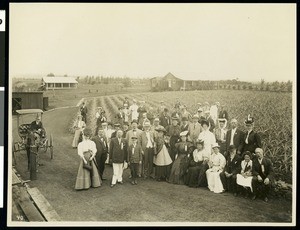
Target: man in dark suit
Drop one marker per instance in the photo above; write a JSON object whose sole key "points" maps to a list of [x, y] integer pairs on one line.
{"points": [[234, 137], [251, 139], [37, 128], [83, 111], [262, 171], [165, 119], [118, 156], [117, 127], [232, 168], [102, 150]]}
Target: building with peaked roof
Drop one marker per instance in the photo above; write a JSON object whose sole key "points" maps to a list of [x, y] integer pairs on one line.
{"points": [[59, 83], [170, 82]]}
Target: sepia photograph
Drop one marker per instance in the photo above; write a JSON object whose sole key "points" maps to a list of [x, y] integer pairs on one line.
{"points": [[133, 114]]}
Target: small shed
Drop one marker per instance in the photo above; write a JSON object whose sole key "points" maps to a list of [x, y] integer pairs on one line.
{"points": [[59, 83], [27, 100]]}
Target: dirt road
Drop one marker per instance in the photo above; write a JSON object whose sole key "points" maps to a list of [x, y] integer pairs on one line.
{"points": [[148, 201]]}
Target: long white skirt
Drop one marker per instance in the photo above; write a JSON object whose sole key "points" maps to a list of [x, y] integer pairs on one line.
{"points": [[245, 182], [214, 181]]}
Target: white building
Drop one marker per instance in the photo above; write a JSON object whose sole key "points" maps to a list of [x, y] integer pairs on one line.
{"points": [[59, 83]]}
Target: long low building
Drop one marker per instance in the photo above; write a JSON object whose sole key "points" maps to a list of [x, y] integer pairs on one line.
{"points": [[59, 83]]}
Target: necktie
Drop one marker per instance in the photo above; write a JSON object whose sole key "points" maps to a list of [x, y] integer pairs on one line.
{"points": [[246, 141], [246, 167]]}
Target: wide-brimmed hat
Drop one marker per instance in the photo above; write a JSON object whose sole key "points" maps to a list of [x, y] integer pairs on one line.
{"points": [[216, 145], [184, 133], [204, 122], [126, 123], [222, 120], [160, 129], [184, 119], [249, 120], [195, 116], [147, 123], [156, 119], [134, 121], [134, 137], [104, 123], [117, 125], [200, 141], [175, 118], [200, 110]]}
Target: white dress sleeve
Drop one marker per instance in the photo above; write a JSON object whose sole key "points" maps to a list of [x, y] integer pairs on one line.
{"points": [[80, 150]]}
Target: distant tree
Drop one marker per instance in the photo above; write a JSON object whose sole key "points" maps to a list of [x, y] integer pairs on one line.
{"points": [[66, 75], [275, 85], [77, 78], [289, 86], [20, 86], [282, 86], [126, 82], [244, 87], [262, 84], [50, 75]]}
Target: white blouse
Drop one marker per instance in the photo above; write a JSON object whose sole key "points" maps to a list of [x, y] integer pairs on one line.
{"points": [[217, 161], [243, 165], [85, 146], [200, 155], [208, 138]]}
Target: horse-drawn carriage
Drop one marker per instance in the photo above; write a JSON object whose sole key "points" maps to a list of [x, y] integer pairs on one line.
{"points": [[31, 137]]}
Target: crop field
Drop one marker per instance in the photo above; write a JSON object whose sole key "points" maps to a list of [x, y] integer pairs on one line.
{"points": [[162, 201], [272, 113]]}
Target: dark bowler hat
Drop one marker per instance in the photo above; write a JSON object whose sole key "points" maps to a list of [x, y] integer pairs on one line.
{"points": [[125, 123], [134, 137], [175, 118], [117, 125], [134, 121]]}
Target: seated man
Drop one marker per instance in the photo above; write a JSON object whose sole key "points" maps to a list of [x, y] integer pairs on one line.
{"points": [[262, 171], [232, 168], [37, 128]]}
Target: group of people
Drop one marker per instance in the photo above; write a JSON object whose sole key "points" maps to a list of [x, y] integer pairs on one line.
{"points": [[199, 150]]}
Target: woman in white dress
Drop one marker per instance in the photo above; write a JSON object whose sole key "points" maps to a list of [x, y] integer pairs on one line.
{"points": [[207, 136], [134, 110], [87, 175], [79, 127], [244, 179], [216, 164]]}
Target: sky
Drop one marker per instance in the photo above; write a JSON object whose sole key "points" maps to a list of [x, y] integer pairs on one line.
{"points": [[193, 41]]}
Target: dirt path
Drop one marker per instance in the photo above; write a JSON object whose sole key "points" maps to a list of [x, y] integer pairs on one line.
{"points": [[148, 201]]}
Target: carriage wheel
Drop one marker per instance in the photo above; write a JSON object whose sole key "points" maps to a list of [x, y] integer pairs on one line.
{"points": [[50, 141]]}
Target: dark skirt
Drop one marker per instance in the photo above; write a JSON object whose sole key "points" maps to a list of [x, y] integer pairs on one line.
{"points": [[162, 172], [202, 180], [86, 178], [191, 178], [178, 169]]}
